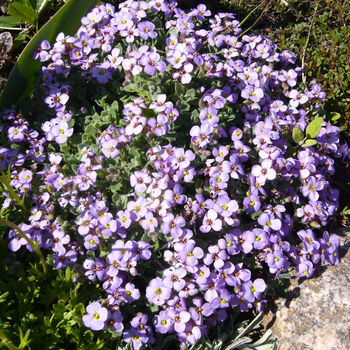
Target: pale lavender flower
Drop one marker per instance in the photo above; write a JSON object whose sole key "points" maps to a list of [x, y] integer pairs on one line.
{"points": [[96, 316]]}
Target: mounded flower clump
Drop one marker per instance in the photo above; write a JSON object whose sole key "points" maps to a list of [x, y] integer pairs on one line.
{"points": [[172, 160]]}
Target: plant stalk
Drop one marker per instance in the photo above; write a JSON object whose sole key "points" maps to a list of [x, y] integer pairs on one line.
{"points": [[9, 188], [30, 242], [6, 341], [251, 12], [257, 20]]}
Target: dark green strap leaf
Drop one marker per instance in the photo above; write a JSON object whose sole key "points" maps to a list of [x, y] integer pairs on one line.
{"points": [[23, 75], [40, 5]]}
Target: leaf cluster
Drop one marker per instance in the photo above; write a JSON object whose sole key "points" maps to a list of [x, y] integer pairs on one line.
{"points": [[44, 311]]}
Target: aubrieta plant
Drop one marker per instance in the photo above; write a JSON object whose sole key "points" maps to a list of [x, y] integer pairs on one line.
{"points": [[177, 164]]}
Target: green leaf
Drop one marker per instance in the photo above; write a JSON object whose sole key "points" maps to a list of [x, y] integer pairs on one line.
{"points": [[40, 5], [9, 21], [23, 75], [335, 116], [179, 89], [309, 142], [298, 135], [314, 127], [90, 130], [148, 113], [28, 3], [22, 12]]}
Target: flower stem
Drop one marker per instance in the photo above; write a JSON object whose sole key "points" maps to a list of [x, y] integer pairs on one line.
{"points": [[257, 20], [30, 242], [251, 12], [6, 341], [5, 182]]}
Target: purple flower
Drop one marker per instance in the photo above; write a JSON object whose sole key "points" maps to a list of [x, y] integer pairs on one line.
{"points": [[311, 188], [61, 131], [146, 30], [163, 323], [258, 237], [174, 278], [157, 292], [305, 269], [211, 222], [96, 316], [139, 180], [101, 72], [255, 94], [215, 255], [173, 225], [251, 203], [264, 171], [189, 254], [41, 53], [223, 300], [151, 63], [180, 319], [253, 290], [201, 135], [149, 222], [309, 240], [136, 336], [57, 99]]}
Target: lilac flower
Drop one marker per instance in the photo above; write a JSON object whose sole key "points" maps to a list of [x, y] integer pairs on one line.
{"points": [[115, 320], [114, 58], [251, 203], [233, 167], [255, 94], [163, 323], [258, 237], [211, 222], [297, 98], [138, 180], [173, 225], [61, 132], [305, 269], [225, 206], [151, 63], [149, 222], [157, 292], [189, 254], [253, 290], [91, 242], [215, 255], [136, 336], [223, 300], [309, 240], [16, 134], [201, 135], [101, 73], [180, 319], [146, 30], [264, 171], [95, 268], [269, 222], [57, 99], [174, 278], [311, 188], [96, 316]]}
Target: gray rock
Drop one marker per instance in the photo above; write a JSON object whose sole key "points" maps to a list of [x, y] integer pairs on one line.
{"points": [[316, 315]]}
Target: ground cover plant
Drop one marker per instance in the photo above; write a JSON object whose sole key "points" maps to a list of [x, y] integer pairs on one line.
{"points": [[176, 164]]}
